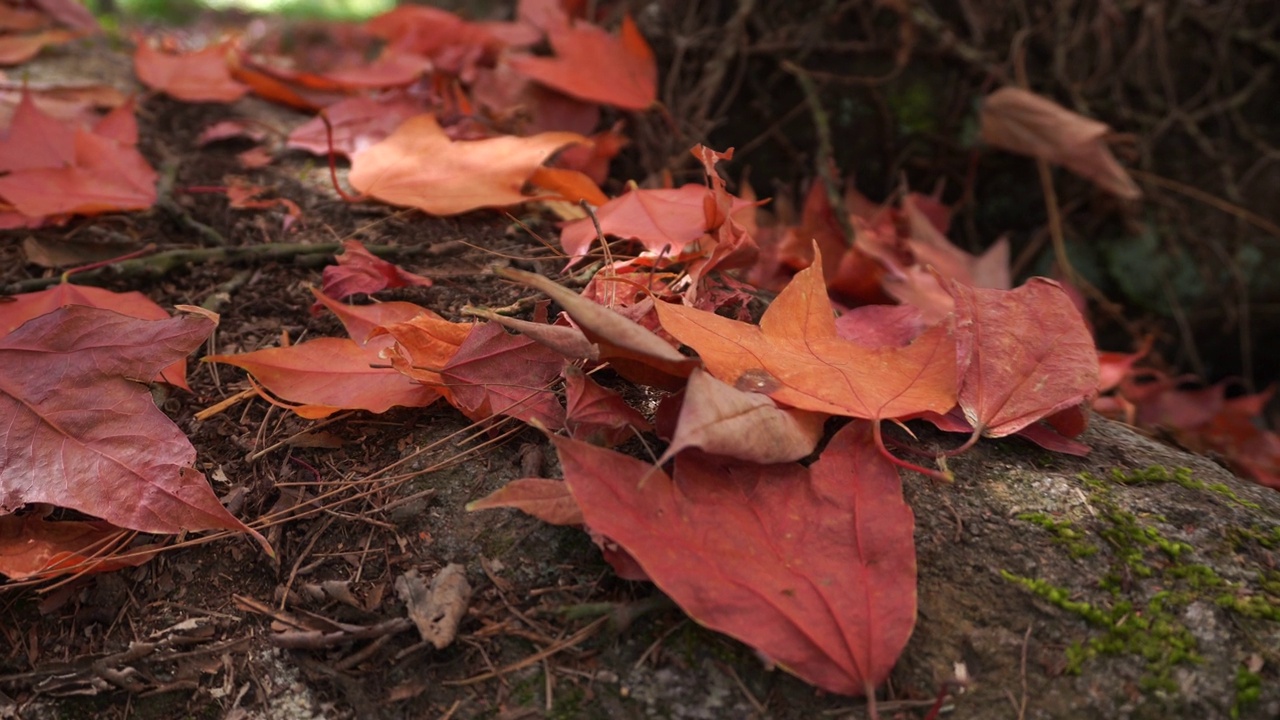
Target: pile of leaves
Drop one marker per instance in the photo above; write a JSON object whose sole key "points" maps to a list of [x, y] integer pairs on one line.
{"points": [[774, 514]]}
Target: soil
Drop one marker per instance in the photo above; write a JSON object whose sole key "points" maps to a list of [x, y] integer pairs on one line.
{"points": [[1172, 613]]}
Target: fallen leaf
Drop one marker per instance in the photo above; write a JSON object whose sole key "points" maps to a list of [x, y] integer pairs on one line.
{"points": [[32, 546], [814, 567], [436, 610], [70, 13], [36, 139], [361, 321], [81, 434], [881, 325], [28, 306], [263, 84], [358, 123], [548, 500], [853, 268], [494, 373], [199, 76], [419, 166], [56, 169], [1172, 403], [423, 345], [21, 19], [660, 220], [390, 69], [571, 185], [232, 130], [16, 49], [636, 352], [73, 104], [796, 357], [360, 271], [597, 415], [120, 124], [722, 420], [594, 161], [565, 340], [325, 375], [932, 250], [1022, 355], [592, 65], [245, 196], [1023, 122], [1113, 367], [1041, 433], [429, 31]]}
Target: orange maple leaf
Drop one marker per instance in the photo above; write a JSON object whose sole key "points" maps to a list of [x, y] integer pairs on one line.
{"points": [[796, 357], [419, 166]]}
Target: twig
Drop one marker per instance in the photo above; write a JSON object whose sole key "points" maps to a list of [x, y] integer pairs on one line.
{"points": [[826, 150], [318, 639], [535, 658], [157, 265], [221, 295], [166, 203], [1046, 179]]}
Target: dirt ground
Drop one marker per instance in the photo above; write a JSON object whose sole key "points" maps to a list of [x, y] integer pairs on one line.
{"points": [[354, 503]]}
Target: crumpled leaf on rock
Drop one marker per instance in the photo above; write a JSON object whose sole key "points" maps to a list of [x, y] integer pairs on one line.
{"points": [[797, 357], [1022, 355], [814, 567], [722, 420]]}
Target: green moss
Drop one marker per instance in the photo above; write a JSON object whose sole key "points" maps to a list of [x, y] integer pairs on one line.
{"points": [[1062, 533], [1250, 605], [1152, 632], [1267, 537], [1130, 622], [1248, 690], [1198, 577], [1179, 476]]}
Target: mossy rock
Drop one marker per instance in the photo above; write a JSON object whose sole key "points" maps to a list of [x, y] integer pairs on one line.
{"points": [[1146, 576]]}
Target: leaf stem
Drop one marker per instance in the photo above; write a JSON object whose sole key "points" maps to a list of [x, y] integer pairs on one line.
{"points": [[333, 166], [943, 476]]}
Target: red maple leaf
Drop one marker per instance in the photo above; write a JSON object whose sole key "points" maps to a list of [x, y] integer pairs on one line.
{"points": [[81, 432]]}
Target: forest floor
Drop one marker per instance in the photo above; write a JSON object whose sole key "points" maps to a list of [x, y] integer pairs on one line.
{"points": [[360, 500]]}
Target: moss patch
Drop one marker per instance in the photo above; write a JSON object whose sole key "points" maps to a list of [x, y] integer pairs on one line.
{"points": [[1063, 533], [1178, 476], [1248, 690], [1150, 580], [1153, 632]]}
